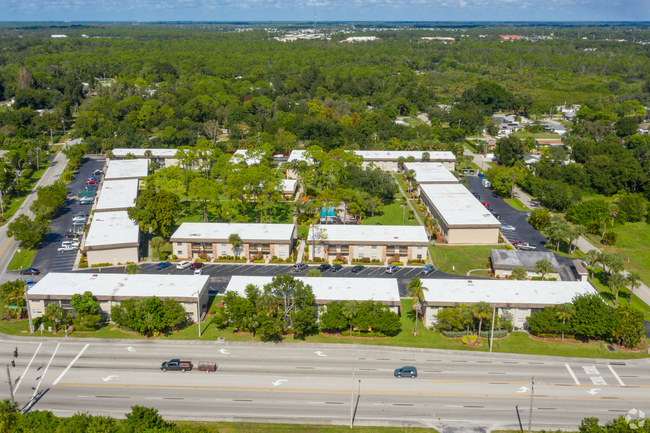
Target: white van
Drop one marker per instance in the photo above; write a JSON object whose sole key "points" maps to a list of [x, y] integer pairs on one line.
{"points": [[184, 264], [486, 183]]}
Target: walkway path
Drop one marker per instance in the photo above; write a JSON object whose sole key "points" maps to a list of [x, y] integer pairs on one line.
{"points": [[417, 217]]}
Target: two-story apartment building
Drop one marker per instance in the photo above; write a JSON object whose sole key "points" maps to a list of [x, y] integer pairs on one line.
{"points": [[355, 242], [258, 240], [162, 157]]}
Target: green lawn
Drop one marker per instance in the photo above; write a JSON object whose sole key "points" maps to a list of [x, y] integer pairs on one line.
{"points": [[413, 121], [516, 203], [250, 427], [623, 294], [491, 164], [464, 258], [22, 259], [16, 202], [469, 146], [392, 214], [633, 245], [303, 231]]}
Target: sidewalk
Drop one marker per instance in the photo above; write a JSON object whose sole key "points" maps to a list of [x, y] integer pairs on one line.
{"points": [[408, 200]]}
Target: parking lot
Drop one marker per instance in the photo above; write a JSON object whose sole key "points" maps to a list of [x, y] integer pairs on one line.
{"points": [[47, 258]]}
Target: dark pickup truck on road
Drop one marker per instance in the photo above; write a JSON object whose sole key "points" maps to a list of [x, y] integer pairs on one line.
{"points": [[176, 364]]}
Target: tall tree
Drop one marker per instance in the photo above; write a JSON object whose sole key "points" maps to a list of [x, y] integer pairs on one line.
{"points": [[416, 291]]}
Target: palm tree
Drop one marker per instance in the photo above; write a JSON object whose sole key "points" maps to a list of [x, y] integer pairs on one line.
{"points": [[564, 313], [157, 242], [633, 280], [148, 154], [543, 267], [616, 281], [235, 240], [372, 203], [519, 274], [132, 269], [251, 323], [349, 310], [54, 312], [481, 310], [592, 259], [417, 292], [613, 210], [410, 177]]}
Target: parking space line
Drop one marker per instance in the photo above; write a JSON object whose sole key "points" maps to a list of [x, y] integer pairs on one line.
{"points": [[615, 375]]}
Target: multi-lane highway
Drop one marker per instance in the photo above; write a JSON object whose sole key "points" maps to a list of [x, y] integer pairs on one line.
{"points": [[315, 384]]}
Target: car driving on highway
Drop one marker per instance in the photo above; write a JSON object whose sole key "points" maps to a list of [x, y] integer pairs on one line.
{"points": [[177, 364], [411, 372]]}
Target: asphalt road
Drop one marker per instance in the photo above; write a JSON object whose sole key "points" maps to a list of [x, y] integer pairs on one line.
{"points": [[454, 391], [47, 258], [524, 231]]}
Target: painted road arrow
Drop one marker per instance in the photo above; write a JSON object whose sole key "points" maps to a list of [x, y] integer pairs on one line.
{"points": [[130, 349], [523, 389], [224, 351], [593, 391], [319, 353], [106, 379], [278, 382]]}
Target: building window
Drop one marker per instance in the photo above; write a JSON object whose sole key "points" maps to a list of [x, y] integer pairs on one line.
{"points": [[374, 256], [179, 253], [223, 244], [374, 247], [280, 245], [360, 255], [420, 247], [419, 256], [180, 244], [360, 247], [224, 253], [281, 254]]}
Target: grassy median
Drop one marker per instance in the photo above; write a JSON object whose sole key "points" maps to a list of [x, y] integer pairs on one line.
{"points": [[251, 427]]}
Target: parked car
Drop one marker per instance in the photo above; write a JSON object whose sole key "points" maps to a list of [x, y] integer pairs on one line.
{"points": [[94, 178], [67, 248], [496, 215], [198, 271], [79, 219], [515, 243], [475, 194], [83, 214], [196, 265], [427, 269], [98, 172], [490, 209], [411, 372], [508, 228], [358, 268], [69, 235], [163, 265], [336, 268], [391, 269], [91, 182], [30, 271], [91, 187], [525, 246], [74, 243], [484, 203], [184, 264], [86, 200], [324, 267], [78, 223], [299, 267]]}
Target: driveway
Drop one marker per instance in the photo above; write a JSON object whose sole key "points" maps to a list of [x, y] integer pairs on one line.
{"points": [[518, 219], [47, 259]]}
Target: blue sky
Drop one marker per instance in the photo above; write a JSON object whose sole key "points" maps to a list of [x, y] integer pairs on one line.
{"points": [[327, 10]]}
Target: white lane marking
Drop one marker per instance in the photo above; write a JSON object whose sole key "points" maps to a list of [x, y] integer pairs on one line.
{"points": [[25, 372], [69, 365], [224, 351], [29, 404], [319, 353], [106, 379], [615, 375], [590, 369], [130, 349], [523, 389], [593, 391], [278, 382], [572, 375], [597, 380]]}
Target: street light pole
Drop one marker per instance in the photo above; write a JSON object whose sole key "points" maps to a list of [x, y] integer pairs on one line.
{"points": [[494, 311], [352, 393], [29, 312], [198, 310]]}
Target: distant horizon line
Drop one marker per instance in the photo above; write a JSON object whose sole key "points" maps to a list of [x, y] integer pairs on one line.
{"points": [[325, 22]]}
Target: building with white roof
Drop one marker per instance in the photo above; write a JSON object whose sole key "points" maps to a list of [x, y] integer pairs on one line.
{"points": [[116, 195], [358, 242], [462, 218], [326, 290], [430, 172], [519, 298], [387, 159], [248, 156], [288, 187], [112, 238], [265, 240], [127, 169], [111, 289], [162, 157], [505, 261]]}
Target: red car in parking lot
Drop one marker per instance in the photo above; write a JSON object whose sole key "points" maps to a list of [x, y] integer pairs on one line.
{"points": [[484, 203], [91, 182], [196, 265]]}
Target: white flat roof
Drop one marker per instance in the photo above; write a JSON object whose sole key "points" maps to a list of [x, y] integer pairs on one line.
{"points": [[117, 194], [393, 155], [156, 153], [457, 206], [332, 289], [241, 154], [431, 172], [297, 155], [247, 232], [127, 169], [120, 285], [373, 234], [288, 186], [112, 228], [504, 291]]}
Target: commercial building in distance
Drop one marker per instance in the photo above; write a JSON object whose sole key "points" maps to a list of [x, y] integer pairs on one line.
{"points": [[356, 242], [519, 298], [430, 173], [163, 157], [265, 240], [112, 238], [117, 195], [462, 218], [111, 289], [326, 290], [505, 261], [127, 169]]}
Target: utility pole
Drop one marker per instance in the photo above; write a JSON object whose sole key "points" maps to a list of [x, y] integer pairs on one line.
{"points": [[530, 417], [494, 311], [29, 312], [11, 385], [352, 393]]}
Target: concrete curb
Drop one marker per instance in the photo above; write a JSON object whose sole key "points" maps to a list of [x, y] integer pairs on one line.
{"points": [[335, 346]]}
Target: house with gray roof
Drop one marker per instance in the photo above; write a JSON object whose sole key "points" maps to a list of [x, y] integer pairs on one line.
{"points": [[505, 261]]}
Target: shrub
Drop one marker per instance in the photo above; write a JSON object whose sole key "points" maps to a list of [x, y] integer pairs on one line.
{"points": [[174, 257], [258, 261], [99, 265], [594, 227], [337, 262], [397, 263], [163, 256], [196, 260], [434, 236], [365, 260], [610, 238], [586, 211], [83, 265]]}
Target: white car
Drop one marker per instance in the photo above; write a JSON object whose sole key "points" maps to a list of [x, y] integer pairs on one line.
{"points": [[79, 218], [184, 264], [508, 228], [67, 248], [70, 244], [198, 272]]}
